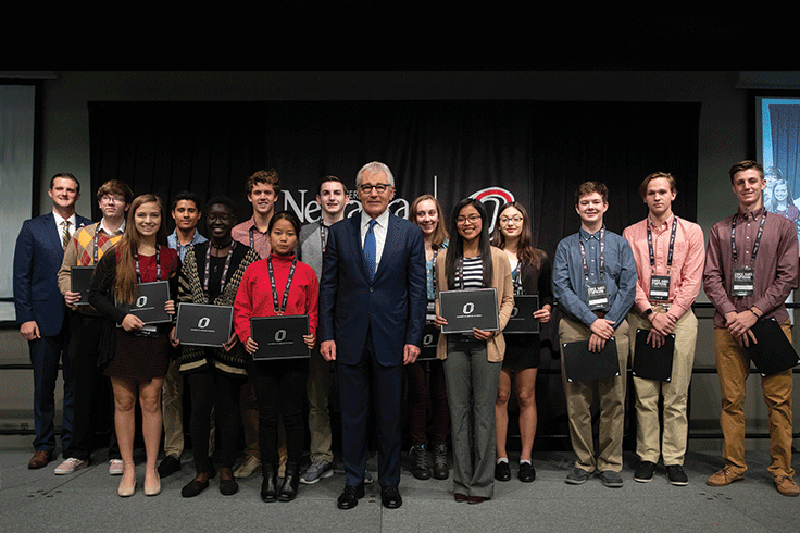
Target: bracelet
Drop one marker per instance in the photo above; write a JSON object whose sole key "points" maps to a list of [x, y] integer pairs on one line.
{"points": [[757, 315]]}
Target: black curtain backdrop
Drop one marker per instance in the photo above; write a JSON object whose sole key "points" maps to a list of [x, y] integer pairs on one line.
{"points": [[538, 151]]}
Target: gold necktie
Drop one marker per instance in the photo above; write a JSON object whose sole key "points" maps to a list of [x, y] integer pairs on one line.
{"points": [[65, 237]]}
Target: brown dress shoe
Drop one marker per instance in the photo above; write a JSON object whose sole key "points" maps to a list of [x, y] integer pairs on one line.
{"points": [[786, 486], [726, 476], [40, 459]]}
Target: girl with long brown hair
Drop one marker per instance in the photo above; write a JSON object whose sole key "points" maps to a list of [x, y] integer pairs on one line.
{"points": [[139, 358]]}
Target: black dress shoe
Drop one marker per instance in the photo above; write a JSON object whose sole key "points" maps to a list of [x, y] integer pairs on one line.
{"points": [[269, 486], [193, 488], [228, 487], [527, 473], [350, 495], [291, 481], [168, 466], [391, 497], [502, 471]]}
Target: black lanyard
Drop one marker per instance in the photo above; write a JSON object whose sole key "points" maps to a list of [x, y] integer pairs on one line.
{"points": [[95, 245], [756, 244], [323, 234], [602, 253], [280, 310], [207, 275], [671, 246], [516, 277], [158, 265]]}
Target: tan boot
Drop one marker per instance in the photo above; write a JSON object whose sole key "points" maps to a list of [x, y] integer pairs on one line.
{"points": [[786, 486], [726, 476]]}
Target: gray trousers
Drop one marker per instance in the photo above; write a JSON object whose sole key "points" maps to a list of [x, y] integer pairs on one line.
{"points": [[472, 392]]}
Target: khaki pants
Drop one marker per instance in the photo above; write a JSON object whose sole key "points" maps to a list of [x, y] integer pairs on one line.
{"points": [[319, 422], [611, 393], [172, 411], [651, 443], [733, 368]]}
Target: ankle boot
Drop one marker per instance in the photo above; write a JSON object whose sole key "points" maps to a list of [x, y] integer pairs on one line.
{"points": [[269, 486], [291, 482], [419, 454], [440, 470]]}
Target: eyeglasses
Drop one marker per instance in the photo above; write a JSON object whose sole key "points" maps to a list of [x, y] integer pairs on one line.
{"points": [[112, 199], [380, 188], [505, 220], [472, 219]]}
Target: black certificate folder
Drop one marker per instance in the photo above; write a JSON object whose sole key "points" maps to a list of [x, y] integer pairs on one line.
{"points": [[773, 353], [148, 305], [522, 321], [430, 340], [582, 365], [653, 363], [467, 309], [203, 325], [280, 337], [81, 276]]}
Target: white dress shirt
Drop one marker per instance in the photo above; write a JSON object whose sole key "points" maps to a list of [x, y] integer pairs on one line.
{"points": [[380, 233]]}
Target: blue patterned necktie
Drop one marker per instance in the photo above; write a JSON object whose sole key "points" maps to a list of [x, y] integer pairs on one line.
{"points": [[369, 249]]}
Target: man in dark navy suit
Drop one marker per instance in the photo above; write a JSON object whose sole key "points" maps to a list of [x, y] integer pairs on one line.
{"points": [[371, 314], [41, 310]]}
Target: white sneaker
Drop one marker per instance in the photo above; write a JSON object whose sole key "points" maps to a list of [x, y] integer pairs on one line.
{"points": [[248, 467], [116, 467], [70, 465]]}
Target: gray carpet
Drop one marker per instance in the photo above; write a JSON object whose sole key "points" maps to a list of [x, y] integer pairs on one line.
{"points": [[40, 501]]}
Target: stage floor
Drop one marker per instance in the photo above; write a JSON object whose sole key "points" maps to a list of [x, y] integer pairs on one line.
{"points": [[38, 500]]}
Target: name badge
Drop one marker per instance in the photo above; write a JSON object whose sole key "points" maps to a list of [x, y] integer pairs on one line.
{"points": [[597, 295], [659, 287], [743, 282]]}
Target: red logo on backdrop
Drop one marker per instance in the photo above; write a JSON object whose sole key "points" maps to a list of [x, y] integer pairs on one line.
{"points": [[493, 199]]}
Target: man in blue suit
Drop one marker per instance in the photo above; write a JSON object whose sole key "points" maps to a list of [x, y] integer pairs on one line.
{"points": [[371, 314], [41, 310]]}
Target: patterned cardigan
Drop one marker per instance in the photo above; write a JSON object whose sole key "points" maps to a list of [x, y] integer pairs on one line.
{"points": [[190, 289]]}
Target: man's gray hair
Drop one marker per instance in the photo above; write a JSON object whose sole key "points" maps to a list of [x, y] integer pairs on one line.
{"points": [[375, 167]]}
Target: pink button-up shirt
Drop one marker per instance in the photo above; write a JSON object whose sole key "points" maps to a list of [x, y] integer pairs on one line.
{"points": [[261, 243], [686, 273]]}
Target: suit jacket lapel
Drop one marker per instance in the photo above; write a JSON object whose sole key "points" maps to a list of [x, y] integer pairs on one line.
{"points": [[358, 246], [53, 231], [388, 247]]}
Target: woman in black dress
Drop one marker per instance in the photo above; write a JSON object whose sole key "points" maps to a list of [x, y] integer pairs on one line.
{"points": [[531, 272], [140, 353]]}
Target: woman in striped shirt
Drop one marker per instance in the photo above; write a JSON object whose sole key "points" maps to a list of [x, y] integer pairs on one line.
{"points": [[472, 362]]}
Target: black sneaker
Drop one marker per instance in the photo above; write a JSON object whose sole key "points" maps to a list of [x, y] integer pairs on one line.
{"points": [[578, 476], [676, 475], [644, 474], [169, 465], [502, 471], [610, 478]]}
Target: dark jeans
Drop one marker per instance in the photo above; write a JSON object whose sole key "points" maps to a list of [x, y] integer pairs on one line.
{"points": [[280, 388], [210, 388], [426, 385], [92, 388]]}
